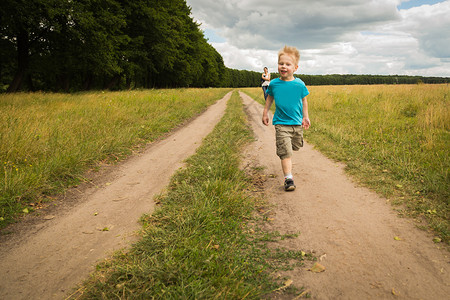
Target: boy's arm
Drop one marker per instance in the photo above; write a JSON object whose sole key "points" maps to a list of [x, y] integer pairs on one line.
{"points": [[265, 116], [306, 122]]}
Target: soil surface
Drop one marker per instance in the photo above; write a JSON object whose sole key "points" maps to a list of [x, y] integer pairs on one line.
{"points": [[351, 229]]}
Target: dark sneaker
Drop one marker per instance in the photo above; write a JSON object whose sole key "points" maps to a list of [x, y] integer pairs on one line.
{"points": [[289, 184]]}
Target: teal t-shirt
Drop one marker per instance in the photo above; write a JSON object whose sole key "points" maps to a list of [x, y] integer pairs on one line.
{"points": [[288, 97]]}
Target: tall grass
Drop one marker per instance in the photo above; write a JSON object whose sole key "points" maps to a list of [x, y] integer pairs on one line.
{"points": [[394, 138], [198, 244], [47, 141]]}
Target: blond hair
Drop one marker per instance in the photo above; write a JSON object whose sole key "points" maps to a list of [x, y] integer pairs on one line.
{"points": [[291, 51]]}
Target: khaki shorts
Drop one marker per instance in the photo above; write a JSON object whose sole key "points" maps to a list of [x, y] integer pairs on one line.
{"points": [[288, 138]]}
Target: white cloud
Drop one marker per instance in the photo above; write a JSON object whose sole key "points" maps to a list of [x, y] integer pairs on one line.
{"points": [[334, 36], [430, 24], [247, 59]]}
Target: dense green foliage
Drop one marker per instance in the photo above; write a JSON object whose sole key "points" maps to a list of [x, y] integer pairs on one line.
{"points": [[104, 44]]}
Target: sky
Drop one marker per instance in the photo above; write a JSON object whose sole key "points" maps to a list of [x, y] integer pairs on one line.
{"points": [[378, 37]]}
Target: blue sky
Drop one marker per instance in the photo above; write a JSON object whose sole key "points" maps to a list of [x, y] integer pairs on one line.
{"points": [[417, 3], [212, 36], [334, 36]]}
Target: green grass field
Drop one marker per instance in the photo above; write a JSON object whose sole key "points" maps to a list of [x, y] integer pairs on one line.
{"points": [[393, 138], [48, 141], [204, 240]]}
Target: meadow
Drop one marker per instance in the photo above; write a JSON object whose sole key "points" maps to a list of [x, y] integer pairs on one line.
{"points": [[204, 239], [48, 141], [393, 138]]}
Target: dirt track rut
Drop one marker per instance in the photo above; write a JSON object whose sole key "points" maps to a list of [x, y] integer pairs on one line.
{"points": [[48, 259], [350, 227]]}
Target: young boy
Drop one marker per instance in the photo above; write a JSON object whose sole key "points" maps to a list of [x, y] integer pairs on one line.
{"points": [[291, 110]]}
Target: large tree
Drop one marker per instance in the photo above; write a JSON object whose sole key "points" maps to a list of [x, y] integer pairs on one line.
{"points": [[24, 27], [69, 45], [58, 39]]}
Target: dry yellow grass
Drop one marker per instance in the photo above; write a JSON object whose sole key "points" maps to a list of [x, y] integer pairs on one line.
{"points": [[48, 140]]}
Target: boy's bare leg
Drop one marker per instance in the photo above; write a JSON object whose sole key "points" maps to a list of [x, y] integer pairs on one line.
{"points": [[286, 165]]}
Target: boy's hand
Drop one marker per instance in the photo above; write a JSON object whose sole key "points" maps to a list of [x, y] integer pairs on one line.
{"points": [[265, 119], [306, 123]]}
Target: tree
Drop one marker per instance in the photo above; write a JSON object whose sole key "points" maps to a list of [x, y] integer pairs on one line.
{"points": [[24, 27]]}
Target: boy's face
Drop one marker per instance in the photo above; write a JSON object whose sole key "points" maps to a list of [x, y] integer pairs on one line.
{"points": [[286, 67]]}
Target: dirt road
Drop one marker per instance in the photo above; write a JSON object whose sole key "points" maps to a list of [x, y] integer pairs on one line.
{"points": [[350, 227]]}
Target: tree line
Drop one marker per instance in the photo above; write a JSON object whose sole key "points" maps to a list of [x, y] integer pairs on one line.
{"points": [[72, 45], [76, 45], [349, 79]]}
